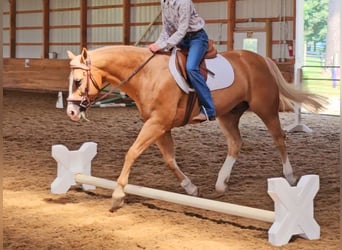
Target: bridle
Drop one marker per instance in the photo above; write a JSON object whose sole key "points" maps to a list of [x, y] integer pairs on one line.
{"points": [[86, 102]]}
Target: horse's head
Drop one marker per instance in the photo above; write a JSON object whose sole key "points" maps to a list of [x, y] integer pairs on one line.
{"points": [[84, 85]]}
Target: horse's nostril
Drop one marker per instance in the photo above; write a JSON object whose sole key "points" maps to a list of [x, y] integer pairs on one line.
{"points": [[72, 112]]}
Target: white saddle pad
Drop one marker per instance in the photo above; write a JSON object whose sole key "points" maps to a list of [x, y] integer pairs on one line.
{"points": [[222, 77]]}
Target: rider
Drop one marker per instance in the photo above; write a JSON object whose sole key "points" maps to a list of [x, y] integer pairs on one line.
{"points": [[183, 27]]}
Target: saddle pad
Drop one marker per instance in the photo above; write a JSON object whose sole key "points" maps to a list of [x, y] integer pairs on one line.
{"points": [[223, 75]]}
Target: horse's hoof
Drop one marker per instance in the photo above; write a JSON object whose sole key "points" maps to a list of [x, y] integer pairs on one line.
{"points": [[292, 180], [116, 204], [221, 188], [214, 195], [112, 209], [196, 193]]}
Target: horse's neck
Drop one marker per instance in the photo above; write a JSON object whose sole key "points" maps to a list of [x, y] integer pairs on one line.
{"points": [[119, 63]]}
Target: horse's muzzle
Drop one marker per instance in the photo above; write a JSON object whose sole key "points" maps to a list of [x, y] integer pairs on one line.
{"points": [[73, 111]]}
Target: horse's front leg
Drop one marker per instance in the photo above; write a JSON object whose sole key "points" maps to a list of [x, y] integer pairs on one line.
{"points": [[147, 136], [166, 147]]}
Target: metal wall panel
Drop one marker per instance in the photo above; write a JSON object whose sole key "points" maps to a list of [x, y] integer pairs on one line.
{"points": [[5, 33], [57, 4], [61, 50], [29, 5], [67, 13], [29, 36], [263, 8], [105, 16], [5, 6], [105, 34], [282, 30], [104, 2], [144, 14], [144, 1], [29, 20], [66, 35], [213, 10], [67, 17], [5, 15], [6, 36], [28, 51], [5, 51]]}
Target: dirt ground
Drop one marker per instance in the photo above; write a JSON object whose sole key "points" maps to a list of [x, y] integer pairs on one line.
{"points": [[34, 218]]}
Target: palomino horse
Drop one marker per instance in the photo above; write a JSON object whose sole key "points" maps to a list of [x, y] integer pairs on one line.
{"points": [[145, 77]]}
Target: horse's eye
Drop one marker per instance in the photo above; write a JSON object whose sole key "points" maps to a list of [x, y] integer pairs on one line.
{"points": [[77, 83]]}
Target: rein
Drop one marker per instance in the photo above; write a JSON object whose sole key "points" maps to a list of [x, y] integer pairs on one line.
{"points": [[123, 81], [86, 102]]}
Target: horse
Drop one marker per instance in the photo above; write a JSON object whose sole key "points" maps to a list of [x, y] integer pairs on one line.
{"points": [[145, 77]]}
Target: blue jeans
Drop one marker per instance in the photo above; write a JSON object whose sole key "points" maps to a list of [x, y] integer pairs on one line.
{"points": [[197, 43]]}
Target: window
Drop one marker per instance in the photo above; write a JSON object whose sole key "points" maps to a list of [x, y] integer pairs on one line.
{"points": [[250, 44]]}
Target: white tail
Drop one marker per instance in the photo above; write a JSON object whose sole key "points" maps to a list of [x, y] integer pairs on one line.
{"points": [[291, 95]]}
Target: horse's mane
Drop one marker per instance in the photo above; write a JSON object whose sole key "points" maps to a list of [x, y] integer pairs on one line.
{"points": [[99, 56], [115, 48]]}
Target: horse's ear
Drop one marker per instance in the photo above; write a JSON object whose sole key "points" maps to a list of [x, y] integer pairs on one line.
{"points": [[70, 55], [84, 55]]}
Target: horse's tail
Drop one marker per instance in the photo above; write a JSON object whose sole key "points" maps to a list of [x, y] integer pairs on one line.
{"points": [[290, 95]]}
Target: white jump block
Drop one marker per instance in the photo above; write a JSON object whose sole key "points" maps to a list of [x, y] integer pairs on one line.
{"points": [[70, 163], [59, 102], [294, 206], [294, 209]]}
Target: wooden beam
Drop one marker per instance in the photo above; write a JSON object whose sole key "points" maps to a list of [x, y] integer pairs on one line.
{"points": [[263, 19], [13, 25], [251, 29], [83, 22], [231, 24], [126, 21], [269, 35], [46, 30]]}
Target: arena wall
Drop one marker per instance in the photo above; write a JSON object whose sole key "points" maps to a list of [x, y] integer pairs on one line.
{"points": [[41, 29]]}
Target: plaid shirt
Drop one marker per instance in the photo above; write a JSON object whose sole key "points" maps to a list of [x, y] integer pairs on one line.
{"points": [[179, 17]]}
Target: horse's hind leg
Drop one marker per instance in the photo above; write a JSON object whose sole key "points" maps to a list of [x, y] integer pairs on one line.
{"points": [[229, 124], [166, 146], [272, 122]]}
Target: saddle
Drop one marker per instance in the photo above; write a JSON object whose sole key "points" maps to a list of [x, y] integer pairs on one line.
{"points": [[181, 56]]}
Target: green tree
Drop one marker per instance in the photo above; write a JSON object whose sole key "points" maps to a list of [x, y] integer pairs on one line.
{"points": [[333, 33], [315, 20]]}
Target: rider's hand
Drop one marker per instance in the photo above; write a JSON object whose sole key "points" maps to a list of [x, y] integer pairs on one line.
{"points": [[154, 47]]}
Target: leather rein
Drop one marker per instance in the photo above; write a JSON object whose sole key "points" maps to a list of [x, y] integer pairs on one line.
{"points": [[86, 102]]}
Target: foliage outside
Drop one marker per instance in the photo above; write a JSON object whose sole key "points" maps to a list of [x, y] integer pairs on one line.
{"points": [[315, 23]]}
